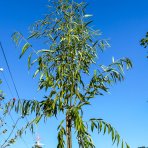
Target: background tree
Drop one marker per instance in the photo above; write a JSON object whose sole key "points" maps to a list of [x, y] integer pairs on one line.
{"points": [[8, 131], [144, 41], [72, 48]]}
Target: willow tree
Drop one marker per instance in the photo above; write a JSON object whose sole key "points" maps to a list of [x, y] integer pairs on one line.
{"points": [[72, 48]]}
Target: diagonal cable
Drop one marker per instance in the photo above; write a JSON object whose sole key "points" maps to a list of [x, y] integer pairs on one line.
{"points": [[13, 84], [9, 113]]}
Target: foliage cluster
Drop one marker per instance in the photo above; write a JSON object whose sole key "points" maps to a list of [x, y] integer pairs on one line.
{"points": [[72, 48]]}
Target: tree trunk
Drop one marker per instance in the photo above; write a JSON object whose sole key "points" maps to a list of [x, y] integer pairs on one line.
{"points": [[68, 131]]}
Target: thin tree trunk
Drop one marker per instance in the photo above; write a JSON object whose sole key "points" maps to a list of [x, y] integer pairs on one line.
{"points": [[68, 131]]}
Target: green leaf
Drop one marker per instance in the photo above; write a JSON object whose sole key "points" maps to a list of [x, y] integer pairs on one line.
{"points": [[127, 146], [92, 126], [118, 139], [37, 119], [24, 49], [35, 74], [0, 81], [88, 23], [113, 134], [100, 126], [29, 61], [33, 35], [122, 145], [104, 128], [60, 124]]}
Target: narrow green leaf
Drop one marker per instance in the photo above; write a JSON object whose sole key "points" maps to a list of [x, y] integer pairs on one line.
{"points": [[88, 23], [122, 145], [24, 49], [29, 61]]}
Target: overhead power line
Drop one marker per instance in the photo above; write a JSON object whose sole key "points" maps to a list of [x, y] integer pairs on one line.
{"points": [[10, 88], [9, 70], [9, 113], [7, 84]]}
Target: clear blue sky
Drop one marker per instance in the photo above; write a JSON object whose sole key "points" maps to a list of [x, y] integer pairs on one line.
{"points": [[124, 23]]}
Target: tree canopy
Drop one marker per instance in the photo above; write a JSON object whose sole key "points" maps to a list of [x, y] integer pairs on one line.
{"points": [[73, 46]]}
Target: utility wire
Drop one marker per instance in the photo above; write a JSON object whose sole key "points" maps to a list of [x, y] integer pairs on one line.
{"points": [[14, 87], [10, 93], [3, 145], [7, 85], [35, 51], [9, 70], [15, 123]]}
